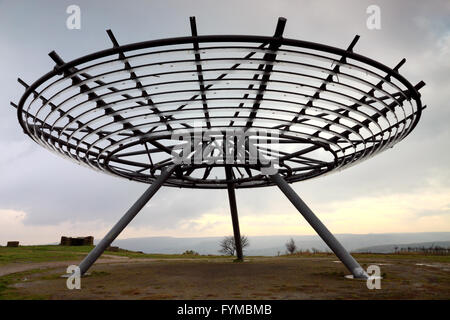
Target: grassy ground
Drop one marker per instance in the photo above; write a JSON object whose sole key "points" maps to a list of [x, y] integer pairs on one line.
{"points": [[139, 276], [9, 293], [26, 254], [391, 256]]}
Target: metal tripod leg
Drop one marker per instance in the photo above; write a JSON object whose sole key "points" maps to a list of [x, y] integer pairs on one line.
{"points": [[125, 220], [234, 215], [351, 264]]}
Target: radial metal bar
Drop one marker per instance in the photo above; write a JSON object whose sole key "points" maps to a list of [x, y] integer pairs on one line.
{"points": [[351, 264], [84, 88], [234, 214], [199, 71], [136, 79], [269, 57], [328, 79], [125, 220], [223, 75]]}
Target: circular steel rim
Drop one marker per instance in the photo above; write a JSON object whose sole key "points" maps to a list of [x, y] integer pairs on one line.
{"points": [[412, 93]]}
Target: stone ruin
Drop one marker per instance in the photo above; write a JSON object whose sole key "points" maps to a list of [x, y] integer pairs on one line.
{"points": [[78, 241]]}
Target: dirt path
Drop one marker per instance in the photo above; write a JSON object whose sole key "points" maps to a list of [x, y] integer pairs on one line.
{"points": [[105, 259], [20, 267]]}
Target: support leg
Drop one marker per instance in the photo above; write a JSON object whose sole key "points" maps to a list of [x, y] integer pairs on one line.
{"points": [[351, 264], [234, 215], [124, 221]]}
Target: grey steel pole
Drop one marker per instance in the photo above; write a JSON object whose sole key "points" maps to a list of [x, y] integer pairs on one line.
{"points": [[234, 215], [89, 260], [351, 264]]}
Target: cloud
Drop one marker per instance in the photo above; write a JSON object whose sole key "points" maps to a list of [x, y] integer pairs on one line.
{"points": [[42, 195], [13, 228], [424, 210]]}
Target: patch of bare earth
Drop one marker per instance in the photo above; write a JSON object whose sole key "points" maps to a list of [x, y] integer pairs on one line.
{"points": [[259, 278], [21, 266]]}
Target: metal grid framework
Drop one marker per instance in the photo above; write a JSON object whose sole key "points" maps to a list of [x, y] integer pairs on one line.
{"points": [[117, 110]]}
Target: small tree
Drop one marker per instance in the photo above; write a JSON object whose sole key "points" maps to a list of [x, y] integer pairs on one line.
{"points": [[190, 253], [228, 245], [291, 247]]}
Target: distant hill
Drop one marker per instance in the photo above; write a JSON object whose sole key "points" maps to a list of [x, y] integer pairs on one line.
{"points": [[272, 245], [393, 247]]}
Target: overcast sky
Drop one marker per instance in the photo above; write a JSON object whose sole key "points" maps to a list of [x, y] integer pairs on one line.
{"points": [[405, 189]]}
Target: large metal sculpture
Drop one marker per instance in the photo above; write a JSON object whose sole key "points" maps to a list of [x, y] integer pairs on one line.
{"points": [[304, 109]]}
